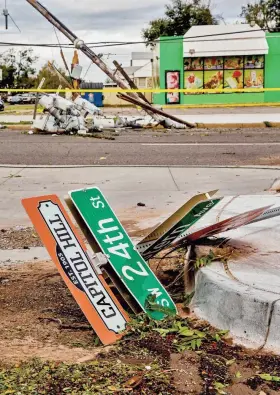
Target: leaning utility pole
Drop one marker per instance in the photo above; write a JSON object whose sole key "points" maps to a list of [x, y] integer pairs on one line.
{"points": [[79, 44]]}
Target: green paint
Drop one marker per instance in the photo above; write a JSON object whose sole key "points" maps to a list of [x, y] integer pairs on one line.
{"points": [[128, 264], [171, 58], [272, 66]]}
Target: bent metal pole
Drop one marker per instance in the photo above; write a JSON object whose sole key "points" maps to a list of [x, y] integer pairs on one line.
{"points": [[79, 44]]}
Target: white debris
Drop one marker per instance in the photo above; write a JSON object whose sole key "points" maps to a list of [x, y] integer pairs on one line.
{"points": [[81, 116], [30, 132]]}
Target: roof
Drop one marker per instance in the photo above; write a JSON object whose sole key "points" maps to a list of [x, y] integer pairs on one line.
{"points": [[225, 40], [130, 70], [142, 55], [144, 71]]}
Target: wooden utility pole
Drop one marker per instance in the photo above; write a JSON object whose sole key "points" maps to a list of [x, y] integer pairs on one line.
{"points": [[79, 44], [130, 81]]}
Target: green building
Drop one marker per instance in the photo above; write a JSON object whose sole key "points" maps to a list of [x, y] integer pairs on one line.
{"points": [[220, 57]]}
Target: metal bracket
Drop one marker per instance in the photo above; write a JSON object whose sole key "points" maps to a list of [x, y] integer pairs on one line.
{"points": [[98, 260]]}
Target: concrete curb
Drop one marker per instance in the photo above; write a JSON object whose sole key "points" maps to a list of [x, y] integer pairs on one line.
{"points": [[236, 125], [252, 316], [137, 166]]}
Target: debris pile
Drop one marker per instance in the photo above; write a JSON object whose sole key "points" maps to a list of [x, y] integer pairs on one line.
{"points": [[61, 115]]}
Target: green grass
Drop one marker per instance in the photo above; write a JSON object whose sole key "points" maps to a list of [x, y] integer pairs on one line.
{"points": [[17, 123], [18, 108]]}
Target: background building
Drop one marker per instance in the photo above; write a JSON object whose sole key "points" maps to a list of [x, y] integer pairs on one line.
{"points": [[220, 57]]}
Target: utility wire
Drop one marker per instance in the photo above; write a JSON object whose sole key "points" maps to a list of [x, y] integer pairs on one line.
{"points": [[122, 43], [15, 23]]}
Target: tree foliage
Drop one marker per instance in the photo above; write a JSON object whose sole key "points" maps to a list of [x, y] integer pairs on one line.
{"points": [[265, 13], [18, 68], [180, 15], [52, 79]]}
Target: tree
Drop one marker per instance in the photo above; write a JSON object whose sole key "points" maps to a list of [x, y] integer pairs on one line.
{"points": [[180, 15], [52, 79], [274, 11], [18, 68], [265, 13]]}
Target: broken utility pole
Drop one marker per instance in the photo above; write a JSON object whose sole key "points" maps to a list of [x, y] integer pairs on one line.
{"points": [[79, 44], [130, 81]]}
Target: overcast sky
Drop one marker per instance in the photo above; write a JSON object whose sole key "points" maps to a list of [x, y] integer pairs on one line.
{"points": [[92, 20]]}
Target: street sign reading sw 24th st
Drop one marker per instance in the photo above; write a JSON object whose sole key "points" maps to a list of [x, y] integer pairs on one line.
{"points": [[126, 261], [68, 252]]}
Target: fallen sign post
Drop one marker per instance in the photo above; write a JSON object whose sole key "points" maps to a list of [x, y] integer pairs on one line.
{"points": [[222, 226], [177, 224], [127, 263], [68, 252]]}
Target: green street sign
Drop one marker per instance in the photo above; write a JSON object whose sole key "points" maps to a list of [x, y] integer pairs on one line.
{"points": [[122, 255], [177, 231]]}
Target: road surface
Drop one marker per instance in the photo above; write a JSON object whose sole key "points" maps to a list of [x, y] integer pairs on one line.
{"points": [[177, 148]]}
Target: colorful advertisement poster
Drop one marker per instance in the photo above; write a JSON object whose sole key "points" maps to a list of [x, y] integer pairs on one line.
{"points": [[253, 79], [193, 80], [193, 64], [234, 62], [213, 79], [233, 79], [172, 82], [214, 63], [254, 62]]}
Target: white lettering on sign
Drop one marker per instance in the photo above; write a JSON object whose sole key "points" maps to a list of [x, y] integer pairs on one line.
{"points": [[156, 292], [205, 209], [77, 260], [170, 237], [142, 272], [120, 249], [97, 203]]}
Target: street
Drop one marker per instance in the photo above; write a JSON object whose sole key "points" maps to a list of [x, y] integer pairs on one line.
{"points": [[219, 147]]}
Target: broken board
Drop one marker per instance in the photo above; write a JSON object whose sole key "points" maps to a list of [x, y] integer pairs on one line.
{"points": [[162, 237], [127, 263], [68, 252]]}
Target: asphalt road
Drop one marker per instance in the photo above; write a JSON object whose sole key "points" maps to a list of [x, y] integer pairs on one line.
{"points": [[177, 148]]}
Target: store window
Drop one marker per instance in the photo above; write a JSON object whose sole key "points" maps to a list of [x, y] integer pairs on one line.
{"points": [[229, 72]]}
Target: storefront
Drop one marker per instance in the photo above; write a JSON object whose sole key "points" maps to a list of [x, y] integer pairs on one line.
{"points": [[220, 57]]}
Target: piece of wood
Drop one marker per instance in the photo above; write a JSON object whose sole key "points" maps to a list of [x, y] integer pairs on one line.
{"points": [[130, 81]]}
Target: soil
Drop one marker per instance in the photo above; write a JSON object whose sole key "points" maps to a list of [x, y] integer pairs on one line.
{"points": [[41, 319], [22, 237], [18, 238]]}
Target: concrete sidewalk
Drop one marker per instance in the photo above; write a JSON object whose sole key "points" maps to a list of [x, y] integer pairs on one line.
{"points": [[162, 189], [200, 117]]}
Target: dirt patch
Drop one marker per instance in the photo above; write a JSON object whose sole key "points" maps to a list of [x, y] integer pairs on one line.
{"points": [[181, 355], [137, 225], [19, 238], [186, 374], [40, 317], [270, 161]]}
